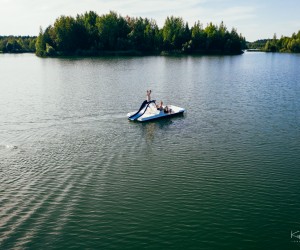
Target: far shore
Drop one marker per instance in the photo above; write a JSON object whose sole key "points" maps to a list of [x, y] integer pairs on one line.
{"points": [[120, 53], [255, 50]]}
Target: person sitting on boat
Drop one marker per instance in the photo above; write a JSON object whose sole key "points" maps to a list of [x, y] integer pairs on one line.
{"points": [[160, 106], [166, 109], [148, 95]]}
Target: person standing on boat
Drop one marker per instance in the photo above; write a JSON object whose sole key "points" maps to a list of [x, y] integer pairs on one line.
{"points": [[148, 95]]}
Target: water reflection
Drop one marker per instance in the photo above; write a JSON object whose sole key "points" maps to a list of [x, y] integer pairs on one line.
{"points": [[149, 128]]}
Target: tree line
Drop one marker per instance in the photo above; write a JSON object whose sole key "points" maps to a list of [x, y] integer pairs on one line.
{"points": [[257, 45], [90, 33], [284, 44], [17, 44]]}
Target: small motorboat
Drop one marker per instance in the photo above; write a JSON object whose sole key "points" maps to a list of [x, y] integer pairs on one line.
{"points": [[148, 111]]}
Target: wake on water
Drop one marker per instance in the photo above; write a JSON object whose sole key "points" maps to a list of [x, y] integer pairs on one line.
{"points": [[8, 147]]}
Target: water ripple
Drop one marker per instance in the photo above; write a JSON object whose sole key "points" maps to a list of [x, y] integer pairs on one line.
{"points": [[75, 173]]}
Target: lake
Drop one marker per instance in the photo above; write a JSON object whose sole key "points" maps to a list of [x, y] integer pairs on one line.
{"points": [[76, 174]]}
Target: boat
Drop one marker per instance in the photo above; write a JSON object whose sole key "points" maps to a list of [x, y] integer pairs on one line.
{"points": [[148, 111]]}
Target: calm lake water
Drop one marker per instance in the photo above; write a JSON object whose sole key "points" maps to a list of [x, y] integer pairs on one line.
{"points": [[76, 174]]}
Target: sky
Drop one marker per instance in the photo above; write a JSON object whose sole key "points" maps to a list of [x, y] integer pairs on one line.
{"points": [[254, 19]]}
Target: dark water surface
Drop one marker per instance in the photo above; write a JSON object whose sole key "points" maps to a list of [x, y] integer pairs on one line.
{"points": [[76, 174]]}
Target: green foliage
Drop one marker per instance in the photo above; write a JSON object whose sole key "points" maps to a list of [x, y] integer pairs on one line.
{"points": [[89, 20], [216, 39], [175, 33], [17, 44], [50, 51], [294, 45], [198, 37], [90, 33], [272, 45], [284, 44], [257, 45], [69, 34], [113, 31], [212, 36], [143, 34], [40, 45]]}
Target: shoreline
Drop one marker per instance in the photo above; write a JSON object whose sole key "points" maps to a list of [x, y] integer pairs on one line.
{"points": [[121, 53]]}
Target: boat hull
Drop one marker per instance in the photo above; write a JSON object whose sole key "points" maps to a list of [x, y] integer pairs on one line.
{"points": [[155, 114]]}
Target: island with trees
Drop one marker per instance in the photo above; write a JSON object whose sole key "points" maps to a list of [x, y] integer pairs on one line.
{"points": [[91, 34]]}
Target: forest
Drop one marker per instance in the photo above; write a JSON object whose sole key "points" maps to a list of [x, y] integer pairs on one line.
{"points": [[17, 44], [91, 34], [284, 44], [257, 45]]}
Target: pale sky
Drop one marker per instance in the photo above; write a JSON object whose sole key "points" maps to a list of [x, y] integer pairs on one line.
{"points": [[255, 19]]}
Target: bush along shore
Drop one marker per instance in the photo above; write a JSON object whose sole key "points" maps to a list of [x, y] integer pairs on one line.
{"points": [[89, 34]]}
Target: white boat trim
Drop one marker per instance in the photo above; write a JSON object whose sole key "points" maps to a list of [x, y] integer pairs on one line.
{"points": [[148, 111]]}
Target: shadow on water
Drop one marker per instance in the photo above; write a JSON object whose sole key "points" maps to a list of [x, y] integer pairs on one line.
{"points": [[161, 125]]}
